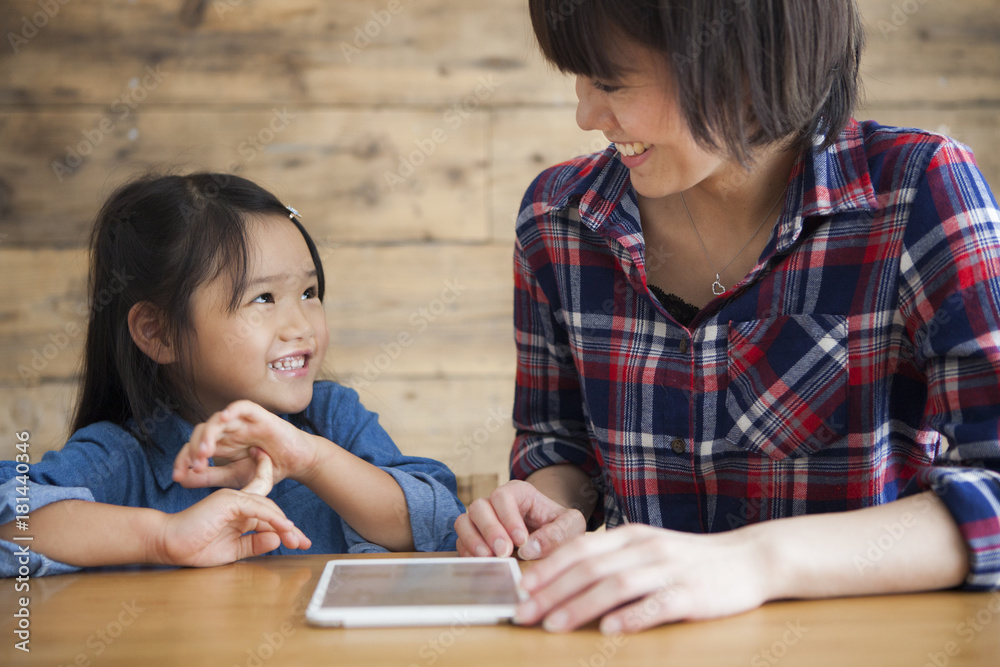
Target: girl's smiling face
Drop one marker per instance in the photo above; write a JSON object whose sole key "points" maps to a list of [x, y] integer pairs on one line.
{"points": [[271, 348]]}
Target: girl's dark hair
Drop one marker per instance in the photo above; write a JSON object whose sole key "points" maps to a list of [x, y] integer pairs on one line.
{"points": [[747, 72], [156, 240]]}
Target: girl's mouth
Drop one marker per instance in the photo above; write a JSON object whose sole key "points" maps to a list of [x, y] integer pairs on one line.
{"points": [[290, 363]]}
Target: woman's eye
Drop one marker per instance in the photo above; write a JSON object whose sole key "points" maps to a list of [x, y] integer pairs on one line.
{"points": [[605, 87], [264, 298], [310, 293]]}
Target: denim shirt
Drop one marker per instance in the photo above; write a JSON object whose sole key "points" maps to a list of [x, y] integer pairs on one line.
{"points": [[105, 463]]}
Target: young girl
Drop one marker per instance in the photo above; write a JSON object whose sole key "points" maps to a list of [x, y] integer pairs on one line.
{"points": [[205, 339], [758, 335]]}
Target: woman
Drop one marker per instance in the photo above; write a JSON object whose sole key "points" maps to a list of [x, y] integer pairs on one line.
{"points": [[760, 332]]}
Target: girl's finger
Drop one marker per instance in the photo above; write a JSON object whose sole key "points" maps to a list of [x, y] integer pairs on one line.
{"points": [[212, 477], [263, 479]]}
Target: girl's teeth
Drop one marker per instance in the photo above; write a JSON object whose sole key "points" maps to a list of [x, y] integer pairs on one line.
{"points": [[634, 148], [288, 364]]}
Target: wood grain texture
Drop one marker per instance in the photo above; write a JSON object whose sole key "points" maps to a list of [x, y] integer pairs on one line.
{"points": [[377, 175], [406, 132], [431, 52], [411, 310], [253, 613]]}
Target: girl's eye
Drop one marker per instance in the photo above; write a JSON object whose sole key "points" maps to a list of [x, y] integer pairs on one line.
{"points": [[264, 298], [605, 87], [310, 293]]}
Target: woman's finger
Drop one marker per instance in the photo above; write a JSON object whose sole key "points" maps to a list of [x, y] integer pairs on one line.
{"points": [[495, 540]]}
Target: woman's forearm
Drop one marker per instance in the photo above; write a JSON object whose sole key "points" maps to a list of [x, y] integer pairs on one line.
{"points": [[567, 485], [89, 534], [908, 545]]}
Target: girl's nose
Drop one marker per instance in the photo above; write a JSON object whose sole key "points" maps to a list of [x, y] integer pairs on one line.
{"points": [[295, 325]]}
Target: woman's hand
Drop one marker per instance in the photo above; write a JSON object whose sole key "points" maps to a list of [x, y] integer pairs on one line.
{"points": [[516, 515], [236, 437], [217, 530], [660, 576]]}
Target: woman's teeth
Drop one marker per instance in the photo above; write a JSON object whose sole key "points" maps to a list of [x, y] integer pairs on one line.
{"points": [[634, 148], [288, 364]]}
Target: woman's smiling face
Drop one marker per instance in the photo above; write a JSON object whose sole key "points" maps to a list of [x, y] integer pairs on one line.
{"points": [[640, 113]]}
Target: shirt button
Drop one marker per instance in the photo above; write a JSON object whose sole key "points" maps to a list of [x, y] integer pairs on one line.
{"points": [[677, 445], [683, 346]]}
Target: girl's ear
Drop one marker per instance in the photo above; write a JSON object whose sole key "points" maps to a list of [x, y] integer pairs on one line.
{"points": [[145, 324]]}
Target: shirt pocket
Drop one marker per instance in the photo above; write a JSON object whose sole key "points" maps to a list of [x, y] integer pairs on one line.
{"points": [[788, 378]]}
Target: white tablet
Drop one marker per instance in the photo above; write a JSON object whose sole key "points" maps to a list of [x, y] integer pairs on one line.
{"points": [[416, 591]]}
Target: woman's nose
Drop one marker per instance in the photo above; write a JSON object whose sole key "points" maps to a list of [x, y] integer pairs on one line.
{"points": [[592, 110]]}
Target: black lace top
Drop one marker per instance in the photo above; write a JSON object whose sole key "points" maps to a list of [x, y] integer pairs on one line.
{"points": [[682, 311]]}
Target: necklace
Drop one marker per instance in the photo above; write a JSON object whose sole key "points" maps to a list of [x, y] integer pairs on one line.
{"points": [[718, 288]]}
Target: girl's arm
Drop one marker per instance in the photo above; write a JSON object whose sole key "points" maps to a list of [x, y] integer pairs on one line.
{"points": [[210, 532], [364, 495], [663, 576]]}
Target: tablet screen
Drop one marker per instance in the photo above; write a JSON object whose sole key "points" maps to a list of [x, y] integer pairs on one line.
{"points": [[415, 583], [415, 591]]}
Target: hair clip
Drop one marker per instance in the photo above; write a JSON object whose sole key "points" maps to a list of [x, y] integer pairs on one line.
{"points": [[292, 213]]}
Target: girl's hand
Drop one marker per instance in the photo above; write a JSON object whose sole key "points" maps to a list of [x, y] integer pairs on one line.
{"points": [[661, 576], [516, 515], [212, 531], [237, 437]]}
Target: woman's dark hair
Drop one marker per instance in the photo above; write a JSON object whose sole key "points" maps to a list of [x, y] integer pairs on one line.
{"points": [[156, 240], [747, 72]]}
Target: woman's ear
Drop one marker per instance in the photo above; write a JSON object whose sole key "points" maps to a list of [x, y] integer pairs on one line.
{"points": [[145, 324]]}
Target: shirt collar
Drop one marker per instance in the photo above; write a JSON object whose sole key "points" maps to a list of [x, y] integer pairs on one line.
{"points": [[828, 181], [824, 182], [170, 432]]}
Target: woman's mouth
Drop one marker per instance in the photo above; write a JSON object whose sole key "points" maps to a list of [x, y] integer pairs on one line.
{"points": [[632, 148]]}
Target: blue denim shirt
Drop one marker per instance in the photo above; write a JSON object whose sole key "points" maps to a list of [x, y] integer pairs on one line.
{"points": [[105, 463]]}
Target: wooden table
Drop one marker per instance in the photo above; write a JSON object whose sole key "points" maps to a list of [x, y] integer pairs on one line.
{"points": [[251, 614]]}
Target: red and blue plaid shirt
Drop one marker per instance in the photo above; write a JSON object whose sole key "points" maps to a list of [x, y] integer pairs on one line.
{"points": [[858, 362]]}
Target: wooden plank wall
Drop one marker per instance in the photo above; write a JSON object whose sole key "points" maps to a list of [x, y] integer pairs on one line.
{"points": [[405, 133]]}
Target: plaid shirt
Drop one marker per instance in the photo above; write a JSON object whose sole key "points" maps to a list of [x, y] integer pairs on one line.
{"points": [[858, 362]]}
